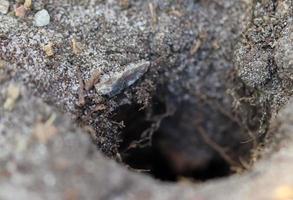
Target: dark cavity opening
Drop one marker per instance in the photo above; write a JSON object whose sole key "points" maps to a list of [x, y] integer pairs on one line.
{"points": [[169, 146]]}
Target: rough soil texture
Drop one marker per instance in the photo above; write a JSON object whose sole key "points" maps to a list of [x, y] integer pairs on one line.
{"points": [[44, 156], [201, 82]]}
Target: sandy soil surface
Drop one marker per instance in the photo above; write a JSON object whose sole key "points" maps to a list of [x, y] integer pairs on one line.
{"points": [[103, 99]]}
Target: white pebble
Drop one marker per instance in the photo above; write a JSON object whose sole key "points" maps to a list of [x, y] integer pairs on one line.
{"points": [[42, 18], [4, 6]]}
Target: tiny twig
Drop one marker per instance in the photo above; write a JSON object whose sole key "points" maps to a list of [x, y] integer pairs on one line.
{"points": [[81, 98], [146, 137], [152, 9]]}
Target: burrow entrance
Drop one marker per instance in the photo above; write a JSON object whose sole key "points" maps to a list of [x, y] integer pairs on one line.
{"points": [[193, 141]]}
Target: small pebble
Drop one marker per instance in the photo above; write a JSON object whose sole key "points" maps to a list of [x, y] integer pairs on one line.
{"points": [[42, 18], [112, 84], [20, 11], [4, 6], [76, 46]]}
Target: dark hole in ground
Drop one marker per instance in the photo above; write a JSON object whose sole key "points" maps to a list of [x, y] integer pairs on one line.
{"points": [[151, 161], [158, 160]]}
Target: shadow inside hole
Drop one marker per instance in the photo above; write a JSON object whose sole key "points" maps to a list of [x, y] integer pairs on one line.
{"points": [[170, 164], [151, 161]]}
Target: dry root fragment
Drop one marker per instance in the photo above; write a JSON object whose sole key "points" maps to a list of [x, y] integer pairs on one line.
{"points": [[153, 13], [2, 64], [13, 93], [81, 98], [95, 77], [100, 107], [198, 43], [195, 47], [176, 13], [49, 49], [220, 150]]}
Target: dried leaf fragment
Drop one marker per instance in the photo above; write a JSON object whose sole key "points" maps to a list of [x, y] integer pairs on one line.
{"points": [[43, 132], [13, 93], [27, 4], [95, 77], [76, 46], [48, 48]]}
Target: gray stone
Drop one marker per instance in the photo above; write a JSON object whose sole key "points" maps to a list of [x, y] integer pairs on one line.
{"points": [[112, 84], [284, 53], [4, 6], [42, 18]]}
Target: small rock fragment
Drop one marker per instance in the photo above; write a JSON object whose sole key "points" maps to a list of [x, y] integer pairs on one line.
{"points": [[76, 46], [4, 6], [42, 18], [252, 66], [112, 84], [284, 54], [13, 93], [124, 4], [20, 11], [49, 49]]}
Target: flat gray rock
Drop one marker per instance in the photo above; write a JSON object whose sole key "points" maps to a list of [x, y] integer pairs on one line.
{"points": [[4, 6]]}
